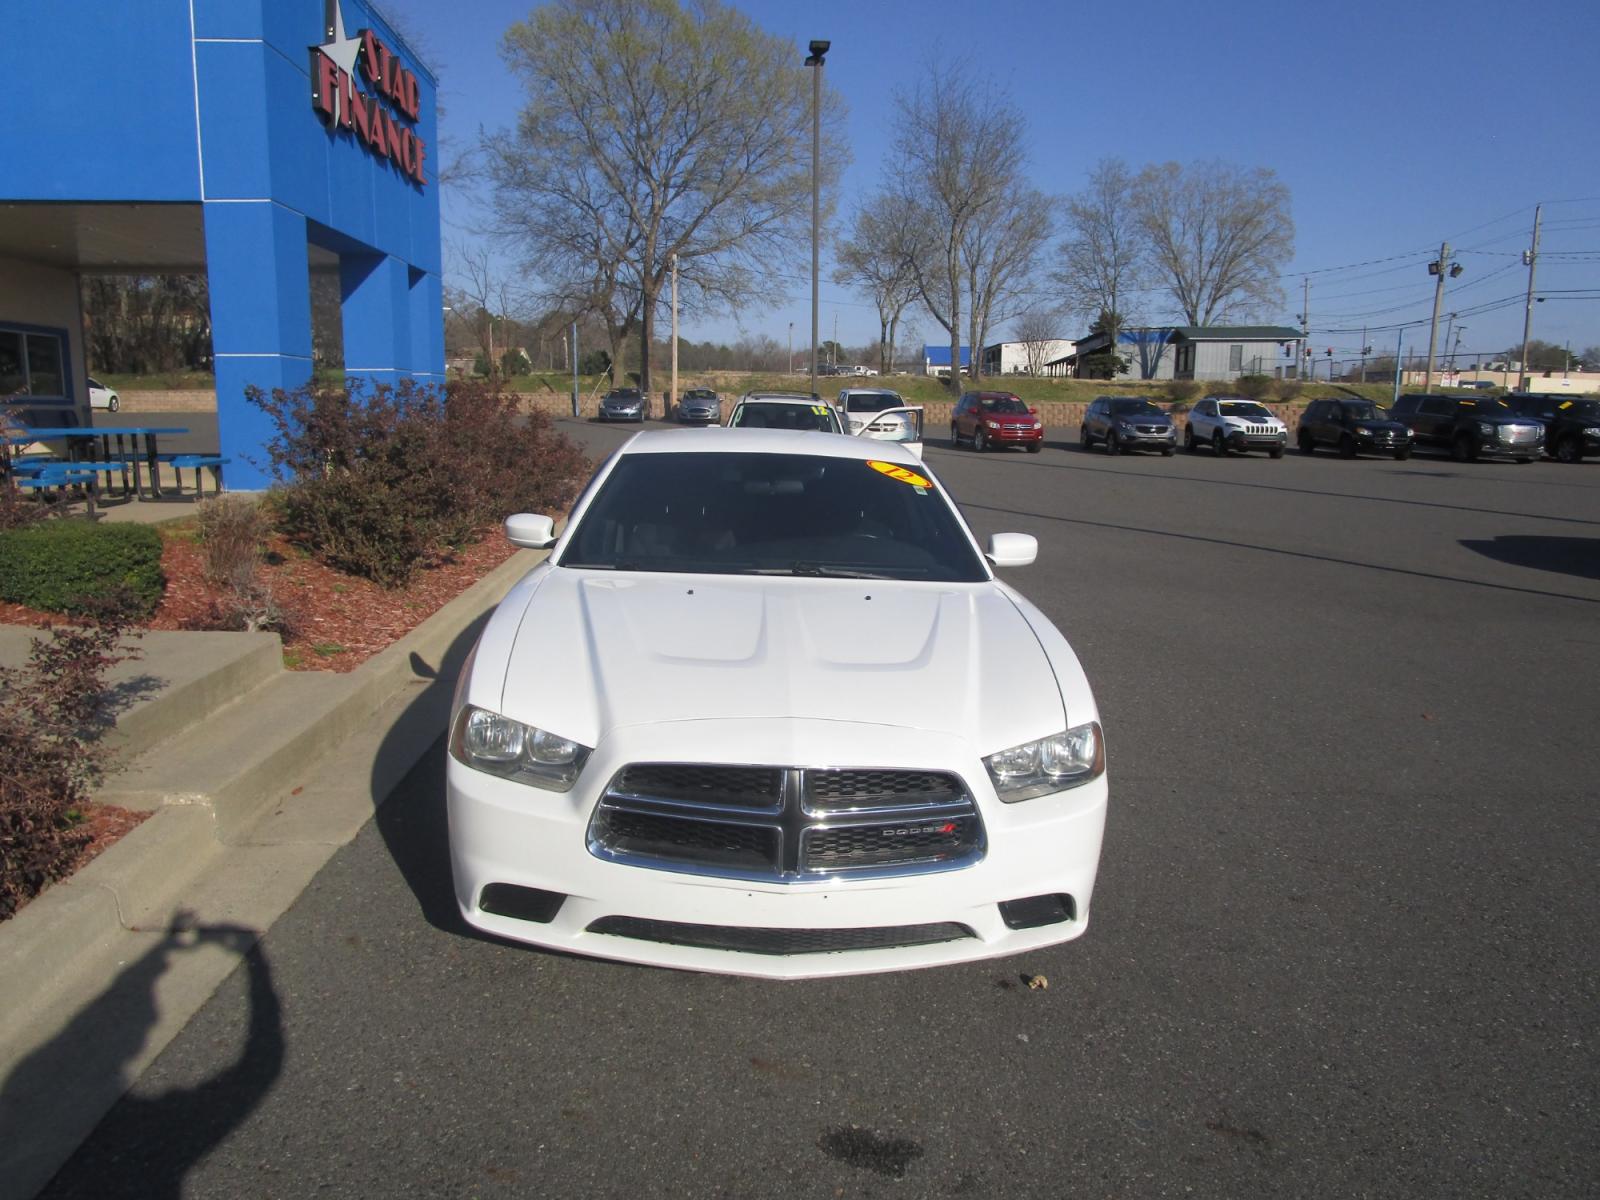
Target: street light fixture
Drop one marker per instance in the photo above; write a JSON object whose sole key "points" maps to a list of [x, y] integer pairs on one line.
{"points": [[818, 50], [1439, 268]]}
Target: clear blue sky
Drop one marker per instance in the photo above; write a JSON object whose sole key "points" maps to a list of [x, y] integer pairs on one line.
{"points": [[1396, 126]]}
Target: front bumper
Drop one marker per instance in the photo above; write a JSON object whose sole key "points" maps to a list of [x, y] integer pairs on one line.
{"points": [[1256, 441], [1495, 448], [504, 832], [1012, 437], [622, 414], [698, 416], [1135, 439]]}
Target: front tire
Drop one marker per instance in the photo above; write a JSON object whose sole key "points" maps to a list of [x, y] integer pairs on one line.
{"points": [[1401, 455], [1347, 446], [1035, 447], [1084, 440], [1188, 439], [1113, 444], [1463, 449], [1308, 444], [955, 437], [1568, 450], [1275, 452], [113, 404], [1219, 444], [980, 440]]}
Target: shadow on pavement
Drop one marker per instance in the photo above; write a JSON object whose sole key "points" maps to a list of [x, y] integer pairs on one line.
{"points": [[152, 1141], [411, 812], [1563, 555]]}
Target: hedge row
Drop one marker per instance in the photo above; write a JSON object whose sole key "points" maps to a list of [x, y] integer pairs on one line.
{"points": [[76, 566]]}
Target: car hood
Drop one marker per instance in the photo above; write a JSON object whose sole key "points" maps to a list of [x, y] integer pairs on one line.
{"points": [[1382, 427], [598, 651]]}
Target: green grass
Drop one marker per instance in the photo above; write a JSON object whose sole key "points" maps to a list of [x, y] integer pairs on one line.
{"points": [[327, 649]]}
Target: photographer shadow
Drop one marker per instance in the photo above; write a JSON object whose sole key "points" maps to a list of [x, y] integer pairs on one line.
{"points": [[146, 1144]]}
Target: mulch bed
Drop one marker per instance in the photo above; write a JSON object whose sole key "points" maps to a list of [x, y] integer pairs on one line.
{"points": [[339, 620]]}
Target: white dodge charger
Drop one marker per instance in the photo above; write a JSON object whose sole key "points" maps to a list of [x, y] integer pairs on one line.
{"points": [[767, 710]]}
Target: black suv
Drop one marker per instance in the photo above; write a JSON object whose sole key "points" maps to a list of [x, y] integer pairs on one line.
{"points": [[1127, 423], [1352, 426], [1571, 423], [1470, 427]]}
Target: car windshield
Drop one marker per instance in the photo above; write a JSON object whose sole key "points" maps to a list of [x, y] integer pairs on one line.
{"points": [[870, 401], [701, 394], [1004, 404], [623, 394], [1135, 407], [769, 415], [1364, 410], [772, 514], [1244, 408], [1487, 408]]}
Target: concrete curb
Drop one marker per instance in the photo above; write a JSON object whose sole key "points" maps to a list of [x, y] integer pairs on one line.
{"points": [[78, 929]]}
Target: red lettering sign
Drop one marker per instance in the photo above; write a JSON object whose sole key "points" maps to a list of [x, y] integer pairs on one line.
{"points": [[341, 104]]}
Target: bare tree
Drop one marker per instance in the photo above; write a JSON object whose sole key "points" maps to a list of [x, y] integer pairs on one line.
{"points": [[1000, 255], [956, 153], [1036, 328], [1104, 254], [691, 130], [1219, 236], [484, 298], [868, 262]]}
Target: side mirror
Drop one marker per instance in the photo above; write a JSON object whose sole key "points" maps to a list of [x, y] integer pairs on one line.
{"points": [[1012, 549], [531, 531], [1034, 410]]}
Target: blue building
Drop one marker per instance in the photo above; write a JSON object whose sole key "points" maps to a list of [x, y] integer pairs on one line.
{"points": [[252, 140], [936, 359]]}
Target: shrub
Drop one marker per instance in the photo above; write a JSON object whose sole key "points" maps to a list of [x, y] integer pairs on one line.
{"points": [[233, 536], [1289, 389], [49, 710], [1182, 391], [1256, 387], [76, 566], [378, 484]]}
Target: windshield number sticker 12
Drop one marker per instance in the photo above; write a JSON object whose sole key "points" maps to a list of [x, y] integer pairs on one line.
{"points": [[900, 474]]}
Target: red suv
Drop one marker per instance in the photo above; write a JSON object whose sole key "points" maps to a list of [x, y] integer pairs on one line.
{"points": [[990, 419]]}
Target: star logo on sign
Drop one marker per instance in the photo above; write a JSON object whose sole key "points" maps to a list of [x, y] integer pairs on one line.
{"points": [[341, 49]]}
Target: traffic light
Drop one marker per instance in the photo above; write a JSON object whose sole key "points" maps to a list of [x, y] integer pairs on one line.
{"points": [[1330, 351]]}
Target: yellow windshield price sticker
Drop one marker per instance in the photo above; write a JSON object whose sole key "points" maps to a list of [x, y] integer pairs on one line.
{"points": [[1565, 404], [893, 471], [820, 410]]}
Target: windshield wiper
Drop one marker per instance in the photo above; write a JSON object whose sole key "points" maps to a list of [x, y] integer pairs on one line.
{"points": [[819, 570]]}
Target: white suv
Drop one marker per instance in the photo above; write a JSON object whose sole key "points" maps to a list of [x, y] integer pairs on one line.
{"points": [[1234, 423]]}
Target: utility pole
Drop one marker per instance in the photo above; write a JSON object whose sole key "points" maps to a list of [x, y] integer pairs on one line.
{"points": [[834, 353], [1448, 326], [791, 348], [1438, 268], [666, 409], [1531, 258], [1305, 324], [575, 410], [1364, 349]]}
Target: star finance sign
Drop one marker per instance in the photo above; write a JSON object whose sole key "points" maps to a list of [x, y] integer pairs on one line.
{"points": [[367, 114]]}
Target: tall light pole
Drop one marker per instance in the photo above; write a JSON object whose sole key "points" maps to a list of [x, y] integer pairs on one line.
{"points": [[791, 348], [1439, 267], [818, 50], [666, 409]]}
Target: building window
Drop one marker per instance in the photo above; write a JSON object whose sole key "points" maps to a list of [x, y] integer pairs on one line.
{"points": [[1235, 358], [32, 364]]}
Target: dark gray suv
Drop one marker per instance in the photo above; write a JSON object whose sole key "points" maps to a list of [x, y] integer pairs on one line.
{"points": [[1470, 427], [1127, 423]]}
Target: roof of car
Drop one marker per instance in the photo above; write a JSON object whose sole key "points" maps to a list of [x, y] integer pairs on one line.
{"points": [[782, 397], [767, 441], [868, 391]]}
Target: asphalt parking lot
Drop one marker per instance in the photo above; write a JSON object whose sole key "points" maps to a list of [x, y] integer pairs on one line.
{"points": [[1343, 943]]}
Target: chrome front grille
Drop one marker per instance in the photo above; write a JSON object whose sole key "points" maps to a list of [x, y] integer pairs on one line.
{"points": [[786, 823], [1522, 435]]}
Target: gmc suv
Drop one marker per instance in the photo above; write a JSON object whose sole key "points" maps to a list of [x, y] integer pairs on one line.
{"points": [[1571, 423], [1470, 427]]}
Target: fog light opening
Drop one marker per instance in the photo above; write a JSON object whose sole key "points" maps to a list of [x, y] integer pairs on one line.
{"points": [[520, 903], [1037, 911]]}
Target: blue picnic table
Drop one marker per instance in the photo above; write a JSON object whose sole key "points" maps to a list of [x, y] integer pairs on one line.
{"points": [[81, 437]]}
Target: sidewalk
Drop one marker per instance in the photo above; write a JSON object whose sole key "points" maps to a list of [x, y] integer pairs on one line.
{"points": [[255, 777]]}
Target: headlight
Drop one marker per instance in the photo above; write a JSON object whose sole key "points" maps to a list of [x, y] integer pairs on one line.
{"points": [[1485, 429], [991, 424], [1052, 764], [1038, 424], [496, 745], [1592, 431]]}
